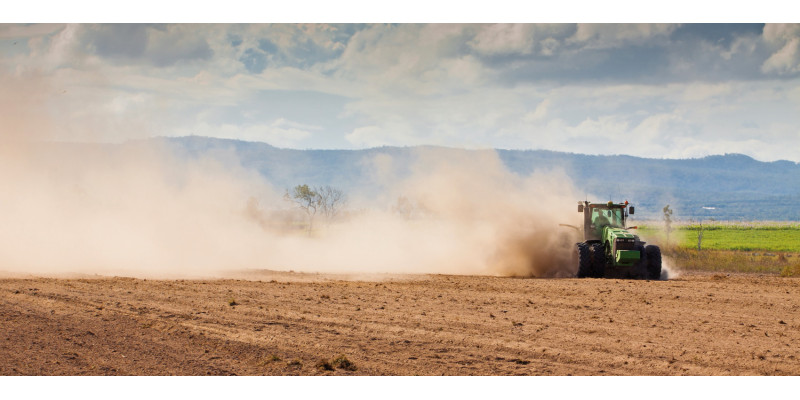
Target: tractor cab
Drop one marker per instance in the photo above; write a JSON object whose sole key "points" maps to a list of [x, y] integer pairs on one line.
{"points": [[597, 216]]}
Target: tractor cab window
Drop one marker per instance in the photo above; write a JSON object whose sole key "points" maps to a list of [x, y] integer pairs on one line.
{"points": [[603, 217]]}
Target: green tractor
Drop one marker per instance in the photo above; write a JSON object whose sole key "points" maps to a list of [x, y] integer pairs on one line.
{"points": [[609, 250]]}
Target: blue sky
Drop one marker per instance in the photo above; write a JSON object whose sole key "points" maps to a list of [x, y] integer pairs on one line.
{"points": [[650, 90]]}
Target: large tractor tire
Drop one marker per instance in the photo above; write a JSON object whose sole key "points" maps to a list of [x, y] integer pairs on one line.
{"points": [[639, 269], [598, 260], [584, 261], [653, 262]]}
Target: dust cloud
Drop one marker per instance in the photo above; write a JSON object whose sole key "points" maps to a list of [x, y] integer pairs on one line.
{"points": [[143, 209], [668, 269], [146, 209]]}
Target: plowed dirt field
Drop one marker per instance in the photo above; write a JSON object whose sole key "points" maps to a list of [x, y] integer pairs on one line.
{"points": [[275, 323]]}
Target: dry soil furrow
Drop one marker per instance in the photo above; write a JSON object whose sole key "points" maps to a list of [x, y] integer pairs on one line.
{"points": [[428, 325]]}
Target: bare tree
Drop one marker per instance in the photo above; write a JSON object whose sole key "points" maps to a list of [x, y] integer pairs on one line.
{"points": [[325, 199], [331, 201], [307, 199]]}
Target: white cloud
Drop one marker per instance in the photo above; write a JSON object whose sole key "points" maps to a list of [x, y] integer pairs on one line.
{"points": [[391, 133], [547, 39], [743, 45], [678, 120], [659, 130], [368, 136], [413, 84], [704, 92], [520, 39], [786, 60], [641, 120], [539, 113], [603, 36], [786, 39], [469, 119], [408, 60], [504, 39], [8, 31], [601, 132], [53, 51]]}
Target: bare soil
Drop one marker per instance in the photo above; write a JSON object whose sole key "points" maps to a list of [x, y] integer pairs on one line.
{"points": [[271, 323]]}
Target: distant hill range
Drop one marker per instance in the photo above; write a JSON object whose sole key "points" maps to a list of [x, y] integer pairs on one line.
{"points": [[722, 187]]}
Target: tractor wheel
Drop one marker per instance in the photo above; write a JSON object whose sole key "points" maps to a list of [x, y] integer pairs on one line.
{"points": [[653, 262], [584, 262], [598, 260], [639, 270]]}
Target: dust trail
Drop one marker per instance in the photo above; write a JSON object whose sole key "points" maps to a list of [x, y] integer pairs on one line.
{"points": [[668, 269], [142, 209], [138, 209], [472, 217]]}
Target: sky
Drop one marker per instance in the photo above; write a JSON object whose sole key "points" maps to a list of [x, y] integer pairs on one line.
{"points": [[649, 90]]}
